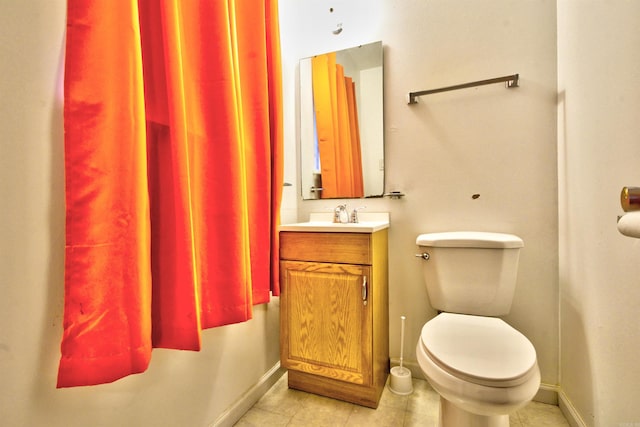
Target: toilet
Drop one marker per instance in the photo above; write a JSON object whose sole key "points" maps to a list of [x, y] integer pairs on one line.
{"points": [[482, 368]]}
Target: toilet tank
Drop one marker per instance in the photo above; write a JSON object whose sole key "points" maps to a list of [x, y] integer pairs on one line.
{"points": [[470, 272]]}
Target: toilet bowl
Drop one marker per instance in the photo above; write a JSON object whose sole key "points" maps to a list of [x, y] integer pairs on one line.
{"points": [[482, 368]]}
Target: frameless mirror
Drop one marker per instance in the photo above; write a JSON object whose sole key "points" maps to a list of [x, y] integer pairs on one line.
{"points": [[341, 124]]}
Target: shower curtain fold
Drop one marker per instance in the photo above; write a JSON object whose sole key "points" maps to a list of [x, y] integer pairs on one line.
{"points": [[173, 176]]}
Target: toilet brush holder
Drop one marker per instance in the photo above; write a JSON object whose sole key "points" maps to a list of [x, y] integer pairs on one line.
{"points": [[401, 381]]}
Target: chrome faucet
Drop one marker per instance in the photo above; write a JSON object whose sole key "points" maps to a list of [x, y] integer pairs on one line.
{"points": [[341, 214]]}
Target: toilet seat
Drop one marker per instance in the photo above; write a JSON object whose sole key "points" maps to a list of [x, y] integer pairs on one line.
{"points": [[480, 350]]}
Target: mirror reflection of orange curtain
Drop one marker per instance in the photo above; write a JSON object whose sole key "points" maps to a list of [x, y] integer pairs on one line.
{"points": [[337, 129], [354, 127], [173, 176]]}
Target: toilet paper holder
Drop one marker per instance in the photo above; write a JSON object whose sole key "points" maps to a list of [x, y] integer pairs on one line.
{"points": [[630, 199]]}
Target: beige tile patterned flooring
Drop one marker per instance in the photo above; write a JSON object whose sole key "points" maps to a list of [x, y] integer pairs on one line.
{"points": [[282, 406]]}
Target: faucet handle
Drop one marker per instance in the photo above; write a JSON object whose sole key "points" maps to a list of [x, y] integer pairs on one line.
{"points": [[340, 214], [354, 214], [336, 214]]}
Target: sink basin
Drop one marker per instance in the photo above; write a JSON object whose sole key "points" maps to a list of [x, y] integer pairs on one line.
{"points": [[322, 222]]}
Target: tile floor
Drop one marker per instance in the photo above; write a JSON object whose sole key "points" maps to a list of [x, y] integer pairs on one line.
{"points": [[282, 406]]}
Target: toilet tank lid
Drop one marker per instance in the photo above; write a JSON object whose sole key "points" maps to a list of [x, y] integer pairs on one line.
{"points": [[469, 239]]}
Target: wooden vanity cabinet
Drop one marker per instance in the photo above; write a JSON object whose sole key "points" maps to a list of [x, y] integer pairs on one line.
{"points": [[334, 318]]}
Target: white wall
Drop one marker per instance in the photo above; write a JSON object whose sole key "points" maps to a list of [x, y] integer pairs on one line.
{"points": [[180, 388], [599, 153], [496, 142]]}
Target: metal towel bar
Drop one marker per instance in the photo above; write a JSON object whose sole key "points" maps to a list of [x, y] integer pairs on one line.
{"points": [[512, 81]]}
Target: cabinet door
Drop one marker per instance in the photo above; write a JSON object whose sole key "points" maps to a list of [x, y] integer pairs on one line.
{"points": [[326, 320]]}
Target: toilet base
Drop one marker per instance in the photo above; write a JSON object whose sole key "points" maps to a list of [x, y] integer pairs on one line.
{"points": [[453, 416]]}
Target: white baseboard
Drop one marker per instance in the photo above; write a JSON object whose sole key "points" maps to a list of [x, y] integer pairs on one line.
{"points": [[229, 417], [569, 411], [546, 394]]}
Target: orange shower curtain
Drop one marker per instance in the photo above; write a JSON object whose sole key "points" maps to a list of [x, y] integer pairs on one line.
{"points": [[173, 167], [337, 128]]}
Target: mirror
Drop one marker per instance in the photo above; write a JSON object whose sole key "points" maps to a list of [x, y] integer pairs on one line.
{"points": [[341, 124]]}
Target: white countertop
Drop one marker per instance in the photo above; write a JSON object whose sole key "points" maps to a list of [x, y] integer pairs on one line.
{"points": [[369, 222]]}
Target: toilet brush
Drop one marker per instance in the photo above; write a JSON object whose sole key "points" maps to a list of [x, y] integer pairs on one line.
{"points": [[400, 382], [402, 319]]}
